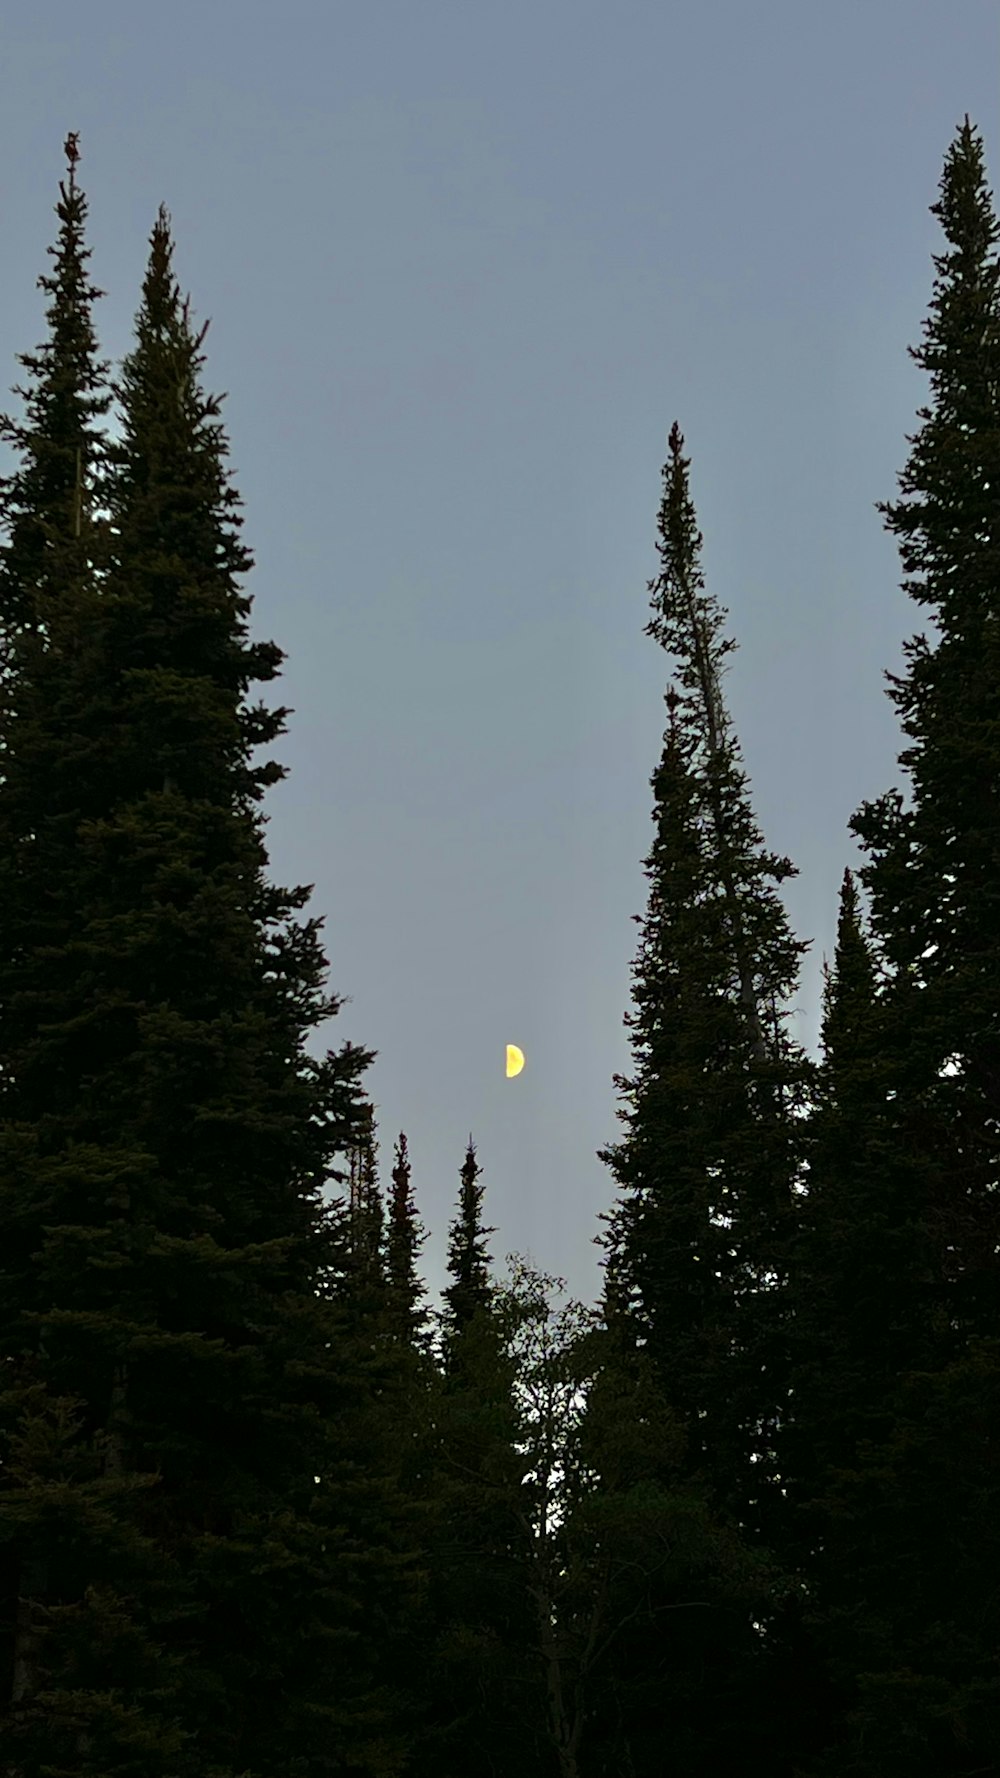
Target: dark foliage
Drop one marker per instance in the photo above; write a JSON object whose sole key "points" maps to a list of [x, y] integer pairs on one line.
{"points": [[263, 1515]]}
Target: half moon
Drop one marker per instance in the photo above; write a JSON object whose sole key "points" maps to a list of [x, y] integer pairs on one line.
{"points": [[515, 1060]]}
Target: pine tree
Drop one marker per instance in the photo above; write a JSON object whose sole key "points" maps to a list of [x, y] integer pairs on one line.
{"points": [[164, 1226]]}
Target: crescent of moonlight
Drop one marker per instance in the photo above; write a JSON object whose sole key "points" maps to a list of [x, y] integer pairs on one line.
{"points": [[515, 1060]]}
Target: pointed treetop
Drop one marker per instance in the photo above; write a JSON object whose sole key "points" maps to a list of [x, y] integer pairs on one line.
{"points": [[965, 206], [46, 504], [405, 1237], [686, 621], [961, 345], [847, 1032], [468, 1259]]}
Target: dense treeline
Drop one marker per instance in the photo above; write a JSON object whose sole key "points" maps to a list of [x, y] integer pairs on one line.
{"points": [[264, 1514]]}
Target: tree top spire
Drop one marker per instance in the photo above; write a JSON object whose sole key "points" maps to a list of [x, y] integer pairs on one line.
{"points": [[72, 153]]}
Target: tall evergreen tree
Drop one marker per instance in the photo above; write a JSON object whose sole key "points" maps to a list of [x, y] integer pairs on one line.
{"points": [[912, 1511], [698, 1242], [72, 1553], [363, 1222], [470, 1291], [407, 1291], [856, 1272], [932, 876], [713, 1144], [855, 1237], [47, 504], [170, 1139], [485, 1709], [659, 1665]]}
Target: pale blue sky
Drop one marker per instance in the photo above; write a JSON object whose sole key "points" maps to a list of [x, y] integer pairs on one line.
{"points": [[465, 265]]}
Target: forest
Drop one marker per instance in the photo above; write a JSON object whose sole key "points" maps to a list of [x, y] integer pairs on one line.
{"points": [[264, 1513]]}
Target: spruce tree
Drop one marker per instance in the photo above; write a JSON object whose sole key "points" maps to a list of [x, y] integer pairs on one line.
{"points": [[73, 1555], [712, 1153], [697, 1248], [485, 1714], [660, 1666], [912, 1511], [856, 1318], [470, 1291], [167, 1150], [363, 1221], [47, 504], [406, 1290], [855, 1238], [932, 875]]}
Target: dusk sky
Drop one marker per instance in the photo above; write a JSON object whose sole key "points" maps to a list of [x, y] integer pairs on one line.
{"points": [[464, 266]]}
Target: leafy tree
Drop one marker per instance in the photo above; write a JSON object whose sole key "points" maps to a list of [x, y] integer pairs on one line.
{"points": [[546, 1347]]}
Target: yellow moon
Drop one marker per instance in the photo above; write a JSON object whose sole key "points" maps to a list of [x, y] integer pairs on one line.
{"points": [[515, 1060]]}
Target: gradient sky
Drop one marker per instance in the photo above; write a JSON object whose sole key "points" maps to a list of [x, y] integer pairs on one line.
{"points": [[465, 264]]}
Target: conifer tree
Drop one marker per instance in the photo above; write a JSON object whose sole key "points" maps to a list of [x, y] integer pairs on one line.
{"points": [[406, 1236], [164, 1226], [713, 1144], [363, 1219], [697, 1248], [485, 1714], [855, 1272], [470, 1290], [932, 875], [47, 504], [659, 1663], [73, 1555], [853, 1239], [912, 1511]]}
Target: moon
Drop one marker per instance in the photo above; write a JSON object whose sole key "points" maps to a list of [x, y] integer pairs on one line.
{"points": [[515, 1060]]}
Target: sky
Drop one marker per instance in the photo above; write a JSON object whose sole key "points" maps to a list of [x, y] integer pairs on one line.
{"points": [[464, 266]]}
